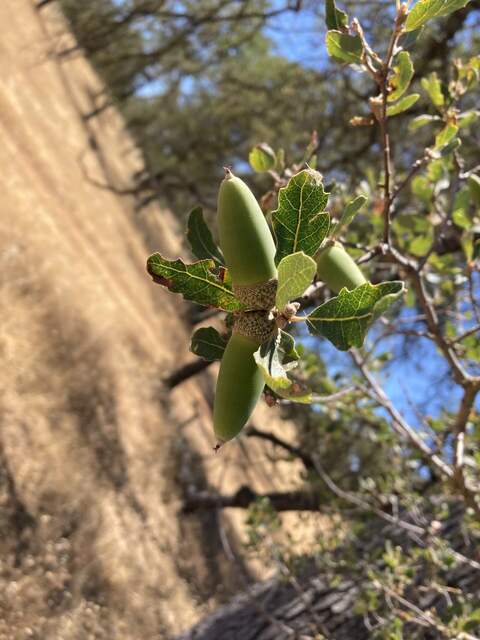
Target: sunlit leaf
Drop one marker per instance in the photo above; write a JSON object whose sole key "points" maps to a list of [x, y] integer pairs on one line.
{"points": [[446, 135], [295, 274], [351, 210], [300, 222], [262, 158], [343, 47], [422, 188], [335, 18], [271, 361], [421, 121], [402, 105], [344, 320], [427, 9], [402, 76], [208, 344], [200, 237], [433, 87], [195, 282]]}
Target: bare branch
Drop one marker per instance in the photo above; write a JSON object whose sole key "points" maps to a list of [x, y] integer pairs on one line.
{"points": [[287, 501], [186, 371], [362, 504], [400, 425]]}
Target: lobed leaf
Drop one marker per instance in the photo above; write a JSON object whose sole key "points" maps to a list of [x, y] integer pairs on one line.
{"points": [[334, 18], [351, 210], [300, 223], [287, 349], [262, 158], [402, 105], [427, 9], [344, 320], [344, 48], [295, 274], [445, 136], [421, 121], [433, 87], [200, 238], [195, 282], [270, 359], [402, 76], [208, 344]]}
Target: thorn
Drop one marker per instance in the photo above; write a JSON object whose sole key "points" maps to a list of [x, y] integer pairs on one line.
{"points": [[228, 173]]}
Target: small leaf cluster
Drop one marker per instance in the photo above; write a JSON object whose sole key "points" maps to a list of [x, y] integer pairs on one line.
{"points": [[301, 225]]}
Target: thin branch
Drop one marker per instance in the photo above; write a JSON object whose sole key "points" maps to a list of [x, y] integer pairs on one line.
{"points": [[253, 432], [400, 425], [387, 160], [466, 334], [417, 165], [463, 416], [185, 372], [286, 501], [424, 617], [362, 504]]}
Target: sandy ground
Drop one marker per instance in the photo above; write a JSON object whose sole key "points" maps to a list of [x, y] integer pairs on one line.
{"points": [[93, 451]]}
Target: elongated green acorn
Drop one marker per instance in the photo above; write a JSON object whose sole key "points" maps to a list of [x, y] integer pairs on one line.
{"points": [[239, 387], [249, 252], [246, 243], [240, 382], [337, 268]]}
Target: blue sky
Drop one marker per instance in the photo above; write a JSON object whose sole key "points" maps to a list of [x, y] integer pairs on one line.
{"points": [[420, 382]]}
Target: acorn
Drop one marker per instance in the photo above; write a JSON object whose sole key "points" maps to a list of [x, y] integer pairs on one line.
{"points": [[249, 250], [337, 268], [247, 244], [240, 382]]}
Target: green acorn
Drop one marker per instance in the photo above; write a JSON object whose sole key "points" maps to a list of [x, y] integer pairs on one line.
{"points": [[247, 244], [240, 382], [249, 252], [337, 268]]}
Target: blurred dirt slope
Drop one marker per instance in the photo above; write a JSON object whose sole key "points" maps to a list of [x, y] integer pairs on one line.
{"points": [[92, 449]]}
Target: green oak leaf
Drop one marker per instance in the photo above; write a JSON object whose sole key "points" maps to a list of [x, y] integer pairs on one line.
{"points": [[270, 359], [344, 320], [402, 105], [344, 48], [420, 245], [208, 344], [300, 222], [195, 282], [262, 158], [422, 188], [433, 87], [288, 352], [445, 136], [474, 186], [402, 76], [449, 148], [467, 118], [295, 274], [461, 208], [427, 9], [335, 18], [421, 121], [200, 238], [351, 210]]}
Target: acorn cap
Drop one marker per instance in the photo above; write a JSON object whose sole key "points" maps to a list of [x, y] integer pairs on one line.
{"points": [[255, 325], [257, 296]]}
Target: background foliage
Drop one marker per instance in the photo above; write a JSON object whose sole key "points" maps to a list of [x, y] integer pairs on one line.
{"points": [[200, 84]]}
